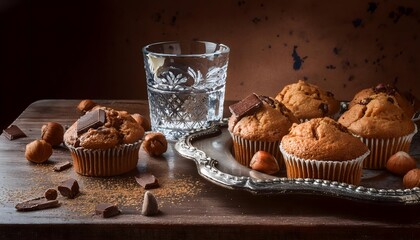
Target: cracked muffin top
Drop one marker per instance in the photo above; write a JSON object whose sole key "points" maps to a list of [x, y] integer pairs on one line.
{"points": [[103, 128], [377, 116], [270, 121], [308, 101], [322, 139], [406, 104]]}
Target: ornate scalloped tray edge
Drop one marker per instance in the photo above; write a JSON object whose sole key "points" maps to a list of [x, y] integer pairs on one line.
{"points": [[210, 168]]}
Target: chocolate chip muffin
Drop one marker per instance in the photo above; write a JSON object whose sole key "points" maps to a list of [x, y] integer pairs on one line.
{"points": [[406, 104], [104, 142], [382, 125], [258, 123], [324, 149], [308, 101]]}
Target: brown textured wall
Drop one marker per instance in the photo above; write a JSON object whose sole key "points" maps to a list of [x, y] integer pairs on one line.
{"points": [[92, 49]]}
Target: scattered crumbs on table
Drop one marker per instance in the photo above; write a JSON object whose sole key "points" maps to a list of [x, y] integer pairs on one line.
{"points": [[122, 191]]}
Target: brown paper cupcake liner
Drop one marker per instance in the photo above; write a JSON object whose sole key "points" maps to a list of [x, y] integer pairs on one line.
{"points": [[349, 171], [105, 162], [382, 149], [244, 149]]}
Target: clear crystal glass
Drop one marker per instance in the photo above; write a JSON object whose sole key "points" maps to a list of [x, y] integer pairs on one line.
{"points": [[185, 85]]}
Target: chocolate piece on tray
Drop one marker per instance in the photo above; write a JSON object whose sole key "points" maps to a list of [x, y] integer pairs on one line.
{"points": [[62, 166], [150, 206], [107, 210], [147, 180], [69, 188], [93, 119], [13, 132], [36, 204], [246, 106]]}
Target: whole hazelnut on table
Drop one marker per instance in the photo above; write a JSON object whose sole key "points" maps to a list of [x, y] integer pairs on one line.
{"points": [[52, 133], [412, 178], [144, 122], [51, 194], [38, 151], [155, 144], [264, 162], [400, 163]]}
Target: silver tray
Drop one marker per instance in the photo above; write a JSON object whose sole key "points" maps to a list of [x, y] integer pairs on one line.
{"points": [[210, 148]]}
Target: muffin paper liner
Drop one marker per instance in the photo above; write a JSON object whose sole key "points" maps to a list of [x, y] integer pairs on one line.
{"points": [[105, 162], [244, 149], [382, 149], [349, 171]]}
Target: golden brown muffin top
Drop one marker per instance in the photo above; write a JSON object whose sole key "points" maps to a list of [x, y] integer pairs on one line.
{"points": [[308, 101], [378, 116], [402, 101], [322, 139], [119, 128], [270, 122]]}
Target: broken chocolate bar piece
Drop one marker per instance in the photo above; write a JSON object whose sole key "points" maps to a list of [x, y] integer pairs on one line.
{"points": [[150, 206], [246, 106], [13, 132], [107, 210], [62, 166], [147, 180], [36, 204], [69, 188], [93, 119]]}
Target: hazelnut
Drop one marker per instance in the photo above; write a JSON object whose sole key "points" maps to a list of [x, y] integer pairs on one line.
{"points": [[144, 122], [38, 151], [51, 194], [52, 133], [400, 163], [412, 178], [86, 105], [263, 161], [155, 144]]}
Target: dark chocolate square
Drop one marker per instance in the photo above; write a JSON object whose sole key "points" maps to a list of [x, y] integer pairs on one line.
{"points": [[13, 132]]}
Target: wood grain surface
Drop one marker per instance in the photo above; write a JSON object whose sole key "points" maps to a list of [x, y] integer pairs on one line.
{"points": [[190, 206]]}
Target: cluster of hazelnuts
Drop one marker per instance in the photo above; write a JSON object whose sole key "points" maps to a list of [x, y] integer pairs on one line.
{"points": [[52, 133], [401, 163], [40, 150]]}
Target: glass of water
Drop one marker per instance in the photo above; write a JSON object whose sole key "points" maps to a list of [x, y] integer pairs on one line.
{"points": [[185, 85]]}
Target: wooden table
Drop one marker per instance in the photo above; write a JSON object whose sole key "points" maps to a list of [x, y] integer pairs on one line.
{"points": [[191, 207]]}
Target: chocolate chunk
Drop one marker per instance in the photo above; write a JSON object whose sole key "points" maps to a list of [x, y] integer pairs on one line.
{"points": [[13, 132], [51, 194], [62, 166], [385, 88], [324, 108], [36, 204], [93, 119], [147, 180], [69, 188], [107, 210], [365, 101], [246, 106], [150, 206]]}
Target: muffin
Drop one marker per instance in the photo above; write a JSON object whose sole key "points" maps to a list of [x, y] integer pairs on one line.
{"points": [[403, 102], [321, 148], [258, 123], [104, 142], [382, 125], [308, 101]]}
